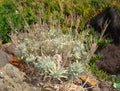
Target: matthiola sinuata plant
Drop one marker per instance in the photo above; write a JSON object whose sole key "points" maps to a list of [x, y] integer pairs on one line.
{"points": [[53, 43], [78, 51], [40, 44], [75, 69], [47, 66]]}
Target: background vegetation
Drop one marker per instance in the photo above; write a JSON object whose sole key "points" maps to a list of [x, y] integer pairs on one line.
{"points": [[66, 13]]}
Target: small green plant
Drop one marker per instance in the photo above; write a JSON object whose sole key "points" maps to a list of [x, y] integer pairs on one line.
{"points": [[102, 42], [94, 58], [117, 85], [98, 4], [98, 73]]}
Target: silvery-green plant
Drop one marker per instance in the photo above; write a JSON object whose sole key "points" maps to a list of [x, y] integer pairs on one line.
{"points": [[78, 51], [75, 69], [35, 46], [55, 42], [51, 41], [27, 47], [47, 42], [30, 58], [47, 66], [59, 73]]}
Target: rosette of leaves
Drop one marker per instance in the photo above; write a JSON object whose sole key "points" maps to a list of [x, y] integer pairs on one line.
{"points": [[28, 47], [48, 67], [78, 51], [75, 69], [30, 58]]}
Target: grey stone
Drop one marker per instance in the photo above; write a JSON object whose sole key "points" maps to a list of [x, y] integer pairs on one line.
{"points": [[96, 89], [12, 79], [11, 49], [105, 89], [3, 58]]}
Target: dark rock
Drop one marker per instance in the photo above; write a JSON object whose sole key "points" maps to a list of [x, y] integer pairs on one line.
{"points": [[106, 86], [111, 15], [110, 62], [96, 89]]}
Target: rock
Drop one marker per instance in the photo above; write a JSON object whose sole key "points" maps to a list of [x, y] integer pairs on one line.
{"points": [[10, 48], [105, 89], [96, 89], [71, 87], [110, 62], [12, 79], [109, 16], [106, 86], [3, 58]]}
